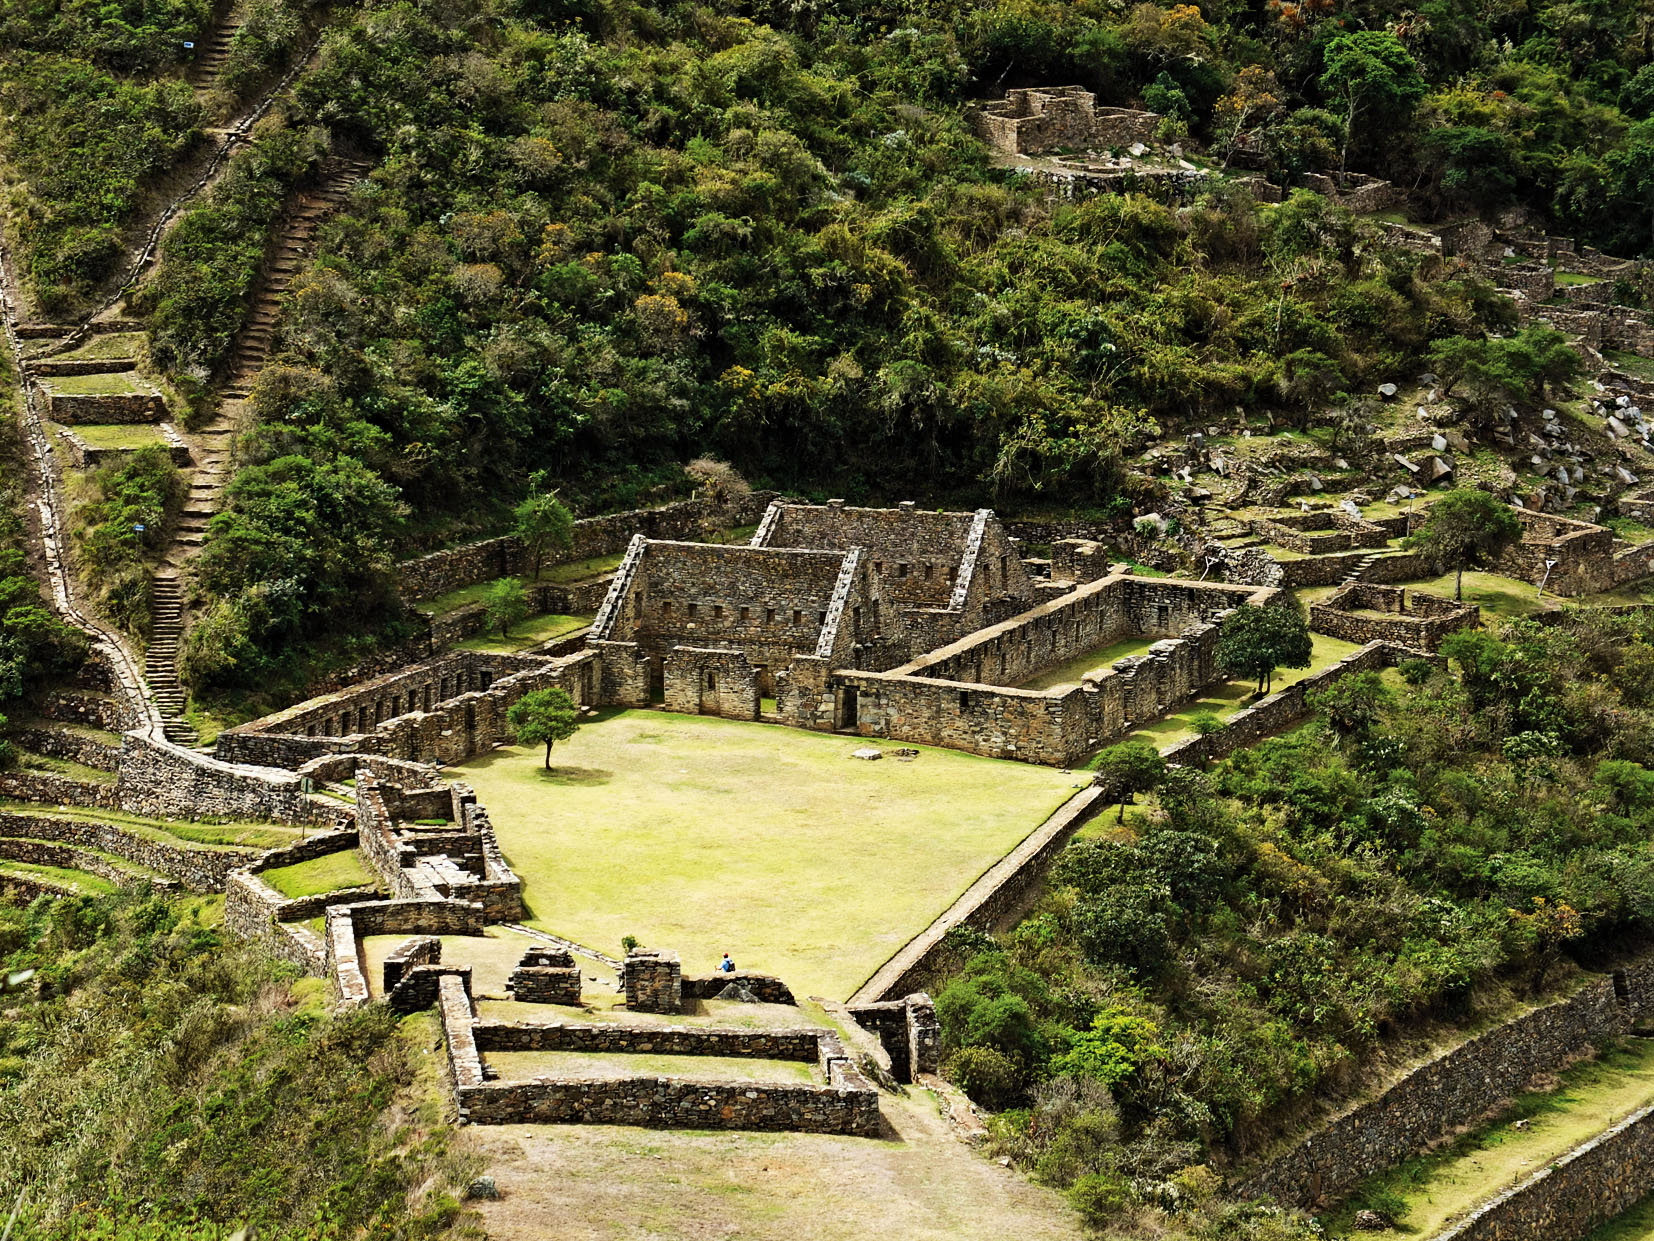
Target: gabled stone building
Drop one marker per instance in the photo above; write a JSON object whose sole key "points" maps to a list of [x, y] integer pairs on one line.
{"points": [[714, 628], [948, 574]]}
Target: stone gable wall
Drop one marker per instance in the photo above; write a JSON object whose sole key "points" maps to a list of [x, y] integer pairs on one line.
{"points": [[710, 682]]}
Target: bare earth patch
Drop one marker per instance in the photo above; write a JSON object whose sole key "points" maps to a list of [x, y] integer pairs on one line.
{"points": [[607, 1183]]}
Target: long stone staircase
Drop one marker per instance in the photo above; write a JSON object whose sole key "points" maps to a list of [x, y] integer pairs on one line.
{"points": [[212, 446], [214, 50]]}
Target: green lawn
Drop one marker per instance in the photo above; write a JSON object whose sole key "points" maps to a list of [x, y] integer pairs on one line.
{"points": [[703, 835], [78, 879], [323, 874], [67, 768], [106, 345], [1069, 673], [1566, 278], [531, 632], [116, 436], [515, 1066], [97, 385], [1637, 1224], [1440, 1187], [1495, 595]]}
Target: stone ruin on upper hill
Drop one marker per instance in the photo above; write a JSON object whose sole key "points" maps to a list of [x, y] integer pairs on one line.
{"points": [[1034, 120]]}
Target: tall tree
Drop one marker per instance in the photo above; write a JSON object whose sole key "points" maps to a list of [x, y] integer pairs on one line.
{"points": [[543, 717], [1466, 530], [1130, 768], [1370, 73], [543, 524]]}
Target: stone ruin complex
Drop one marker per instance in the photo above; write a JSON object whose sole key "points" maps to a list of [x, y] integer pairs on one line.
{"points": [[891, 623], [1361, 612]]}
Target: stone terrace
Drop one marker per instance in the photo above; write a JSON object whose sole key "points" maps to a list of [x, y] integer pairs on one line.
{"points": [[1364, 613]]}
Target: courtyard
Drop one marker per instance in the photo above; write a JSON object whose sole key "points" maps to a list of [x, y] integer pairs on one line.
{"points": [[703, 835]]}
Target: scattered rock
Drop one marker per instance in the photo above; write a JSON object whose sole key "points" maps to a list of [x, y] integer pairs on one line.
{"points": [[739, 993], [482, 1187], [1405, 464], [1624, 475], [868, 753], [1521, 1124], [906, 754], [1370, 1221], [1440, 469], [1439, 443], [1387, 390]]}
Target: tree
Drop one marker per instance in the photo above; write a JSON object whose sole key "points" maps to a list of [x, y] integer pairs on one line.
{"points": [[1352, 704], [505, 604], [543, 524], [1466, 530], [1256, 95], [1255, 641], [1370, 71], [543, 717], [1130, 768]]}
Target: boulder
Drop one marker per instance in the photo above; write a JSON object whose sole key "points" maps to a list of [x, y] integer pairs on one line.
{"points": [[1387, 390], [868, 754]]}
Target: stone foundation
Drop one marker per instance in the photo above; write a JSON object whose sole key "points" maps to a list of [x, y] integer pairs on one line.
{"points": [[1411, 618]]}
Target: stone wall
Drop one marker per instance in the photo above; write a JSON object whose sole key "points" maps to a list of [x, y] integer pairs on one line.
{"points": [[1414, 619], [608, 1038], [766, 987], [347, 924], [1284, 707], [453, 729], [1038, 119], [55, 790], [1318, 533], [64, 743], [85, 456], [1356, 192], [700, 681], [1583, 554], [848, 1104], [121, 407], [163, 780], [1574, 1195], [419, 950], [1439, 1097], [100, 711], [909, 1032], [653, 981], [67, 857], [545, 975], [440, 572], [202, 869]]}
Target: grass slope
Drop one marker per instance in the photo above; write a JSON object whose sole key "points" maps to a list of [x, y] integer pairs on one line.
{"points": [[323, 874], [705, 835]]}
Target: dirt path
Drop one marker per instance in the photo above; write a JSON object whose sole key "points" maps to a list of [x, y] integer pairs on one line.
{"points": [[608, 1183]]}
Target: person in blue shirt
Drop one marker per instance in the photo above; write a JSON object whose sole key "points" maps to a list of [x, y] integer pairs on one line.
{"points": [[726, 966]]}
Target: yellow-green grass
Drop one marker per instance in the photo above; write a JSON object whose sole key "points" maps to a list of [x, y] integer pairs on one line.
{"points": [[111, 384], [324, 874], [1229, 697], [704, 835], [91, 732], [1631, 363], [1441, 1187], [67, 768], [492, 956], [116, 436], [106, 345], [1566, 278], [1070, 671], [1494, 594], [515, 1066], [76, 879], [204, 834], [531, 632]]}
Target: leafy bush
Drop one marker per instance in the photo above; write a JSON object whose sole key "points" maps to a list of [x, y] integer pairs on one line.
{"points": [[988, 1076]]}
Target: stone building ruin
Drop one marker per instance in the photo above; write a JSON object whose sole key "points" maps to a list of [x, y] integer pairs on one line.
{"points": [[1032, 120]]}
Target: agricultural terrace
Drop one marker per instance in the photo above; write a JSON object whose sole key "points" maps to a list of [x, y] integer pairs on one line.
{"points": [[705, 835]]}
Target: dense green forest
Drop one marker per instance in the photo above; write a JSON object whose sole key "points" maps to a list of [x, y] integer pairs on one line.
{"points": [[1432, 846]]}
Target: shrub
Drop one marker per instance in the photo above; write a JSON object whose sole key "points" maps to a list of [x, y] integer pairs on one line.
{"points": [[987, 1075], [1100, 1197]]}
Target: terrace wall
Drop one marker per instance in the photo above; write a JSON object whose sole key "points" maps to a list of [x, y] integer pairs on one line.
{"points": [[199, 870], [1415, 619]]}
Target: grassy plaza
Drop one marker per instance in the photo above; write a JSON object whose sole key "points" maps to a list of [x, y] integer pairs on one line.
{"points": [[704, 836]]}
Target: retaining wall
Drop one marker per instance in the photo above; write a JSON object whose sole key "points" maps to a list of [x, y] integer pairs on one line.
{"points": [[658, 1040], [200, 870], [62, 743], [161, 780], [55, 790], [67, 857], [1444, 1094]]}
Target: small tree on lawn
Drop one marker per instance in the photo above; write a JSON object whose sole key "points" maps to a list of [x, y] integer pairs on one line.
{"points": [[505, 604], [1130, 768], [543, 524], [544, 717], [1256, 641], [1466, 530]]}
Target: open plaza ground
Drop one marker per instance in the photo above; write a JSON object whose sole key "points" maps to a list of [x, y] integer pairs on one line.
{"points": [[704, 835]]}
